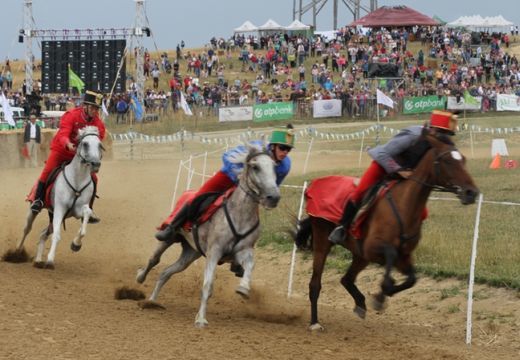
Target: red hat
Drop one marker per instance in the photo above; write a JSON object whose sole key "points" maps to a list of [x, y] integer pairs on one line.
{"points": [[444, 120]]}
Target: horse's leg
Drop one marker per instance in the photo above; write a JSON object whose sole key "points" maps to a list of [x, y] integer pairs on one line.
{"points": [[187, 256], [247, 260], [38, 260], [387, 286], [76, 242], [322, 248], [56, 235], [349, 283], [209, 274], [27, 229], [154, 260], [405, 266]]}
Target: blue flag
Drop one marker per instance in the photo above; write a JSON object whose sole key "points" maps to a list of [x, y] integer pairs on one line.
{"points": [[137, 107]]}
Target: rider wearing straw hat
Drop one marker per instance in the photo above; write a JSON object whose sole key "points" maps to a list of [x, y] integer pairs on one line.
{"points": [[280, 144], [400, 154], [63, 145]]}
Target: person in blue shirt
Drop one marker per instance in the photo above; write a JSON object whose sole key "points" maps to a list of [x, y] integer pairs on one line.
{"points": [[280, 144]]}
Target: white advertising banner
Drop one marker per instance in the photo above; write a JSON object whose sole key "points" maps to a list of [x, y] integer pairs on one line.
{"points": [[506, 102], [462, 105], [326, 108], [239, 113]]}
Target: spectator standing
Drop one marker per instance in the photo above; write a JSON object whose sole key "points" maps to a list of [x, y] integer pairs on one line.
{"points": [[155, 76], [32, 140]]}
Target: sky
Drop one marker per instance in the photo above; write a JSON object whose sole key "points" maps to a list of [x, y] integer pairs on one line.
{"points": [[196, 21]]}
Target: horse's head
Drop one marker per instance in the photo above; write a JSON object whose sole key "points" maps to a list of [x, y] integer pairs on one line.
{"points": [[449, 171], [90, 147], [260, 178]]}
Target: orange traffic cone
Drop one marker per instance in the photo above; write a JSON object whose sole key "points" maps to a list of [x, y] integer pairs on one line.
{"points": [[495, 164]]}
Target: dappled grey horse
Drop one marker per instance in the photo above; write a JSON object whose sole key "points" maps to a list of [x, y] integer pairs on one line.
{"points": [[230, 235], [70, 196]]}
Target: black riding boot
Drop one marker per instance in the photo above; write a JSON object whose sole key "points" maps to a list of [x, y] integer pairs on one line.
{"points": [[179, 220], [337, 236], [37, 204]]}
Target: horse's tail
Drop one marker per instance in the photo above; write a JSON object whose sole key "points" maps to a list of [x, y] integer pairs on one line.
{"points": [[302, 236]]}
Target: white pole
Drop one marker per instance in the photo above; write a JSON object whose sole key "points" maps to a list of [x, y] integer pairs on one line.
{"points": [[189, 172], [176, 184], [378, 127], [471, 142], [307, 156], [204, 168], [472, 272], [361, 149], [293, 257]]}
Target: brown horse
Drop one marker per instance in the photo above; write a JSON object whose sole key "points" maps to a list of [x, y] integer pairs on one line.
{"points": [[392, 228]]}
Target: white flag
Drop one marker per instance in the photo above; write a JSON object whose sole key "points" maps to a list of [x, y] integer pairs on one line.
{"points": [[383, 99], [104, 110], [185, 106], [8, 113]]}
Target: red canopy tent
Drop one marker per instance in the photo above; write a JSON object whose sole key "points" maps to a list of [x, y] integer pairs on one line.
{"points": [[394, 16]]}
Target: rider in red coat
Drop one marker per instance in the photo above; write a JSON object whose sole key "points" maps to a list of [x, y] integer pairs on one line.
{"points": [[63, 145]]}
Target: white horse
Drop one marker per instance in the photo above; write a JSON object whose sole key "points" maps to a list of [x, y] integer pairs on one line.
{"points": [[229, 236], [70, 197]]}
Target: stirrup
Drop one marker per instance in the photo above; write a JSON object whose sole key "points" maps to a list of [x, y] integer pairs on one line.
{"points": [[337, 236], [36, 206], [164, 234]]}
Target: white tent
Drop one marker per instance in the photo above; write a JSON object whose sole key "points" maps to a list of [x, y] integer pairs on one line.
{"points": [[247, 26], [477, 21], [270, 25], [297, 25]]}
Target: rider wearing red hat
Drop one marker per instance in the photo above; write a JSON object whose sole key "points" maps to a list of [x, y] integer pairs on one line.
{"points": [[400, 154], [63, 145]]}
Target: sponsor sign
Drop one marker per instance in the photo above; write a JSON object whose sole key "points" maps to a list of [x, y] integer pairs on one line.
{"points": [[239, 113], [273, 111], [326, 108], [508, 102], [423, 104], [462, 105]]}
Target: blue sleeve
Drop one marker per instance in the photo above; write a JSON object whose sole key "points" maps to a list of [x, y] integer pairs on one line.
{"points": [[282, 169], [229, 168]]}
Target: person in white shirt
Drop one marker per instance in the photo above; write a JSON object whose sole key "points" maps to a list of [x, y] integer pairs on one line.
{"points": [[32, 140]]}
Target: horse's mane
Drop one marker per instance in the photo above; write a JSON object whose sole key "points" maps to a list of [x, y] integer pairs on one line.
{"points": [[242, 151], [88, 130]]}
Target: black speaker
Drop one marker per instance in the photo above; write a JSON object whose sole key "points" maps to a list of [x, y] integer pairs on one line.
{"points": [[20, 38]]}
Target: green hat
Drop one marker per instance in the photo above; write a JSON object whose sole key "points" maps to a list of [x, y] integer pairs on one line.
{"points": [[93, 98], [283, 136]]}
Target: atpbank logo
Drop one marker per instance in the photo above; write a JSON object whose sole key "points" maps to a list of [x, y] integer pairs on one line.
{"points": [[408, 105], [259, 113]]}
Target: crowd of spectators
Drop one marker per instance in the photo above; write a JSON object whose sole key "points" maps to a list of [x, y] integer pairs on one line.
{"points": [[301, 69]]}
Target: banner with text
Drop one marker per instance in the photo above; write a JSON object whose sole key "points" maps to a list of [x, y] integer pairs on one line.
{"points": [[326, 108], [463, 105], [508, 102], [423, 104], [238, 113], [273, 111]]}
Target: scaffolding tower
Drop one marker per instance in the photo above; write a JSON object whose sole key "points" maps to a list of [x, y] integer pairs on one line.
{"points": [[138, 31], [354, 6]]}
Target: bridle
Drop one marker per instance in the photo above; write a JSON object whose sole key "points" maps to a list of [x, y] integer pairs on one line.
{"points": [[249, 187], [78, 153], [449, 187]]}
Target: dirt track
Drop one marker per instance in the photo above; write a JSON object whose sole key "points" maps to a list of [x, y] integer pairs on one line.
{"points": [[70, 313]]}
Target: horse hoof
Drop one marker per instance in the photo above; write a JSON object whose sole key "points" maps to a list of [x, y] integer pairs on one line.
{"points": [[201, 324], [49, 266], [75, 247], [378, 304], [141, 276], [359, 311], [242, 291], [316, 327], [39, 264], [149, 304]]}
